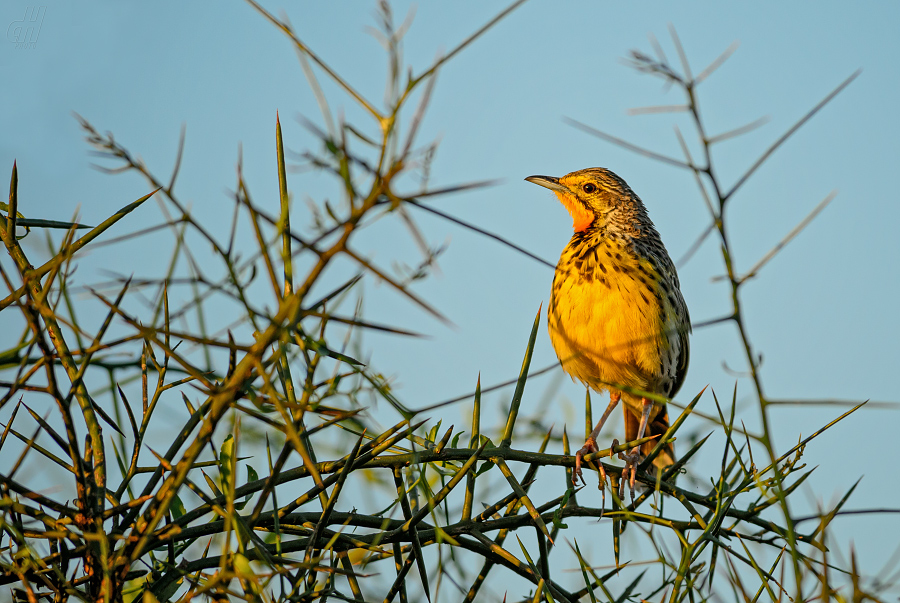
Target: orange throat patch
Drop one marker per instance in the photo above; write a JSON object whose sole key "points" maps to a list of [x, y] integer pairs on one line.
{"points": [[581, 216]]}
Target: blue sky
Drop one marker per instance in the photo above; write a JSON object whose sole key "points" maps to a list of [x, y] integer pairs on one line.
{"points": [[823, 313]]}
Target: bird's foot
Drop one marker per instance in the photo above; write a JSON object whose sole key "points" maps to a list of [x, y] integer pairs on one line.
{"points": [[632, 460], [590, 445]]}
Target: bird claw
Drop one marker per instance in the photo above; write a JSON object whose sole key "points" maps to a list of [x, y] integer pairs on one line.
{"points": [[590, 445], [629, 473], [632, 460]]}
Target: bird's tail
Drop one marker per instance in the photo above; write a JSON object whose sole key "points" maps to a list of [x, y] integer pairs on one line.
{"points": [[658, 426]]}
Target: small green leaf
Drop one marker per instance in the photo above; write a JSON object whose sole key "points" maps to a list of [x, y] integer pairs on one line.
{"points": [[485, 467], [252, 476], [557, 515], [176, 507], [226, 454]]}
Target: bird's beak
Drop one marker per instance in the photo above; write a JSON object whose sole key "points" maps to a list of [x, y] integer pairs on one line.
{"points": [[582, 215], [548, 182]]}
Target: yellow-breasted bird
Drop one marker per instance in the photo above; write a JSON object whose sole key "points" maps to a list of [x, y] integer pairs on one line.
{"points": [[617, 319]]}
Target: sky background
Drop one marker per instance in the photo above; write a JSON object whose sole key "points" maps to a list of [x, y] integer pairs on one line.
{"points": [[822, 313]]}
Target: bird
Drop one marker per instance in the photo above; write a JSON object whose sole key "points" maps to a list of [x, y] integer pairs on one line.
{"points": [[617, 319]]}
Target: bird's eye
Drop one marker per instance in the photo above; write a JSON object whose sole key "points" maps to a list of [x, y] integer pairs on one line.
{"points": [[589, 188]]}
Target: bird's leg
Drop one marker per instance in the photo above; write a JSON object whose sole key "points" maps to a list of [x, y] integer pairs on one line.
{"points": [[590, 445], [632, 459]]}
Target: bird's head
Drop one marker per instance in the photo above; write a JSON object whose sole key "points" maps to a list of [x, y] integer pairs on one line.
{"points": [[590, 195]]}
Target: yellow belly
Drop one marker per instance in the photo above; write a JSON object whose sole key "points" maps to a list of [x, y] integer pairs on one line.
{"points": [[611, 328]]}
